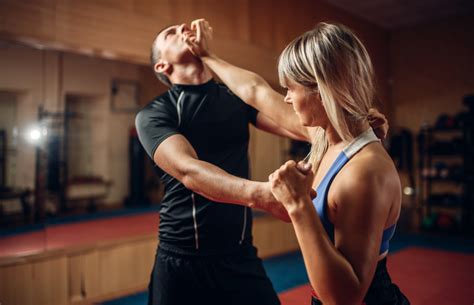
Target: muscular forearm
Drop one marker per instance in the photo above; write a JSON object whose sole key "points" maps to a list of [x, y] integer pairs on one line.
{"points": [[331, 275], [176, 156], [255, 91], [216, 184]]}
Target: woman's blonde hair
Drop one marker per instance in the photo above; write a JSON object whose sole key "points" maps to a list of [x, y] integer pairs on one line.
{"points": [[331, 60]]}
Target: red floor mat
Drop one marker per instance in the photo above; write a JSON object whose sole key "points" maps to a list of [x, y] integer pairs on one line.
{"points": [[427, 277], [80, 233]]}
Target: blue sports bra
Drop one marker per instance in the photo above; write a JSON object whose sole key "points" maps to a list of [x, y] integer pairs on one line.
{"points": [[320, 202]]}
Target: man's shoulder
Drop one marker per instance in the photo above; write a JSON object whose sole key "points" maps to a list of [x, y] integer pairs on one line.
{"points": [[159, 107], [223, 87], [162, 99], [159, 102]]}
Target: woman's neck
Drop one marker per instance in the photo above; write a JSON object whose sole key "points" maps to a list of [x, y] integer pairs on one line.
{"points": [[334, 139]]}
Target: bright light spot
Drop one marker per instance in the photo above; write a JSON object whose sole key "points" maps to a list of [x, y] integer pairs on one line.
{"points": [[408, 191], [36, 134]]}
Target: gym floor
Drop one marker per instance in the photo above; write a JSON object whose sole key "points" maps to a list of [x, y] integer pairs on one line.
{"points": [[429, 268]]}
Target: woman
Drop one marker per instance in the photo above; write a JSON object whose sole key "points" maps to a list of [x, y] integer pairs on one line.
{"points": [[344, 232]]}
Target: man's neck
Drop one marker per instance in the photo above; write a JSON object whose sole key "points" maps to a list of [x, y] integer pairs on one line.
{"points": [[190, 74]]}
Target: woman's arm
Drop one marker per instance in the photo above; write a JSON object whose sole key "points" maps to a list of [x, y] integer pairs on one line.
{"points": [[340, 273], [255, 91], [247, 85]]}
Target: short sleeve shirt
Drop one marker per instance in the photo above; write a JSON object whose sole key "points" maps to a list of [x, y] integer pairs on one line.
{"points": [[216, 124]]}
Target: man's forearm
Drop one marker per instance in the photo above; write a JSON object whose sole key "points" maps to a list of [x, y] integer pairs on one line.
{"points": [[216, 184]]}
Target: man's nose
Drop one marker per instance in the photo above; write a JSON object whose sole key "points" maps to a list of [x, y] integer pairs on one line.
{"points": [[183, 28], [287, 99]]}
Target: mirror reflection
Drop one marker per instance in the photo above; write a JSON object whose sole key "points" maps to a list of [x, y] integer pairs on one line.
{"points": [[68, 148]]}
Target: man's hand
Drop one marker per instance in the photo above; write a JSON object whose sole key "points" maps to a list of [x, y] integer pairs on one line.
{"points": [[378, 122], [265, 201]]}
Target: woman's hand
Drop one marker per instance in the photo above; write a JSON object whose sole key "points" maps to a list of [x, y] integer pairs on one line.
{"points": [[378, 122], [292, 184], [266, 201], [198, 44]]}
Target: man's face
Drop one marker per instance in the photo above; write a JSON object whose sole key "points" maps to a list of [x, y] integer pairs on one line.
{"points": [[171, 43]]}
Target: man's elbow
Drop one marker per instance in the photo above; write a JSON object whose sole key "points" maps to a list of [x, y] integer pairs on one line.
{"points": [[188, 177]]}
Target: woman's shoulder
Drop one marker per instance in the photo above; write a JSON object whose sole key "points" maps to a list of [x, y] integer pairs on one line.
{"points": [[370, 169]]}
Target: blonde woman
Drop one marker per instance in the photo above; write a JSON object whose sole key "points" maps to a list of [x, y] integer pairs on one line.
{"points": [[344, 233]]}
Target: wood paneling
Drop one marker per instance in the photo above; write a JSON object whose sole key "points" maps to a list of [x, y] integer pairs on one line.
{"points": [[273, 237], [126, 266], [432, 68], [104, 270], [13, 279], [83, 276], [250, 34], [50, 285]]}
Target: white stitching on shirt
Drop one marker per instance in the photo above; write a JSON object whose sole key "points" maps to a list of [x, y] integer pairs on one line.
{"points": [[179, 106], [243, 228], [196, 235]]}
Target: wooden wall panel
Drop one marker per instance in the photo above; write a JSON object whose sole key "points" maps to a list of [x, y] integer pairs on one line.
{"points": [[13, 279], [50, 282], [162, 9], [432, 68], [35, 19], [268, 152], [126, 266], [247, 33], [262, 24], [95, 273], [273, 237], [83, 276]]}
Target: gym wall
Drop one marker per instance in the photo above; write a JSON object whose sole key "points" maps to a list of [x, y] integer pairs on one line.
{"points": [[432, 68], [247, 33]]}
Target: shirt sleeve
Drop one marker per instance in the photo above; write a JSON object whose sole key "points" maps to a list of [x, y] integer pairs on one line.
{"points": [[155, 124], [251, 114]]}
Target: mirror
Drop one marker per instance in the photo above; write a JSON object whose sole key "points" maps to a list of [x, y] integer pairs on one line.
{"points": [[68, 148]]}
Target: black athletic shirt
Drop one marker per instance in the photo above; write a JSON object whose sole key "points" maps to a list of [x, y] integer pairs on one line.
{"points": [[215, 122]]}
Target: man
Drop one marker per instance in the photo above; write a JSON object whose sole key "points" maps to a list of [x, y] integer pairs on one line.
{"points": [[197, 134]]}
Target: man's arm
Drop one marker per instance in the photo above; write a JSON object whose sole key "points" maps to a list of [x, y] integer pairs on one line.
{"points": [[177, 157]]}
